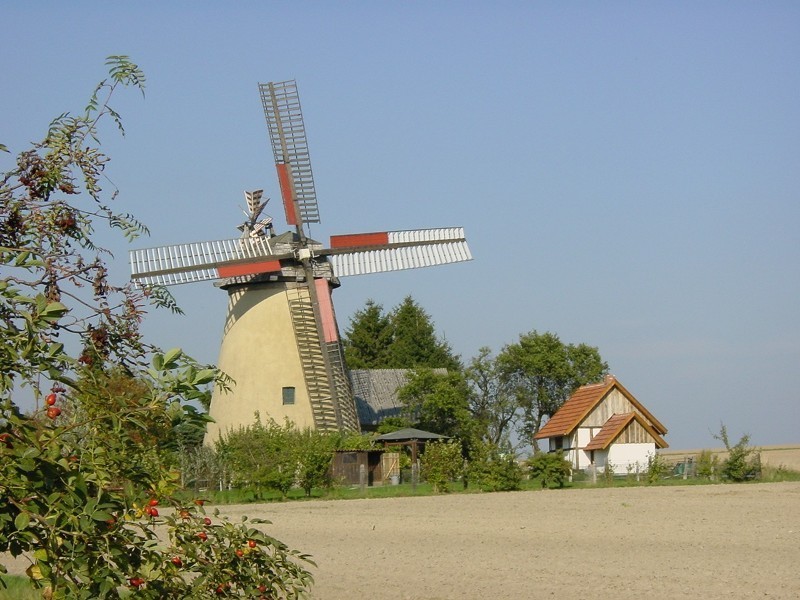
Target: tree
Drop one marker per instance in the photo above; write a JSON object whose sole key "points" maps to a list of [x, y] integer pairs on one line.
{"points": [[491, 399], [544, 372], [368, 339], [71, 497], [414, 341], [438, 403], [403, 339], [313, 450]]}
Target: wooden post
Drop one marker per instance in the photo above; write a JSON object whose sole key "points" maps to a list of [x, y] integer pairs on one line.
{"points": [[362, 477], [414, 466]]}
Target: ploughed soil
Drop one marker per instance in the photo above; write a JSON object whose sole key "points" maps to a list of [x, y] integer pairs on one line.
{"points": [[707, 541], [721, 541]]}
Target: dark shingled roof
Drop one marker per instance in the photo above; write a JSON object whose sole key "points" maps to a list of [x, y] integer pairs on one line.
{"points": [[375, 393]]}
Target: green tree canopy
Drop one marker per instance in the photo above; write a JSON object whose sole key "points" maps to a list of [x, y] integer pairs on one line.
{"points": [[543, 372], [368, 339], [492, 402], [403, 339], [414, 343], [438, 402]]}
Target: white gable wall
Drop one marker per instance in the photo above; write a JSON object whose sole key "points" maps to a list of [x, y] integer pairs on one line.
{"points": [[584, 436], [623, 456]]}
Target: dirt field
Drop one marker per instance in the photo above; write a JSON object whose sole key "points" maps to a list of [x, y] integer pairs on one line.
{"points": [[784, 455], [711, 541]]}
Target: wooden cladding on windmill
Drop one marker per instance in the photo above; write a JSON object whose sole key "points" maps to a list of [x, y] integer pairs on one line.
{"points": [[281, 330]]}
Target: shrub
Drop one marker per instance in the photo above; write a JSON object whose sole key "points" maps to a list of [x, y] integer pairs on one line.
{"points": [[269, 456], [743, 461], [707, 464], [657, 468], [258, 456], [442, 463], [608, 473], [494, 470], [82, 479], [551, 469], [313, 452]]}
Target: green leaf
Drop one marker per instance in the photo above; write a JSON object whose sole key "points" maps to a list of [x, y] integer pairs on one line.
{"points": [[54, 309], [101, 515], [204, 376], [22, 521], [27, 465], [171, 356], [40, 555]]}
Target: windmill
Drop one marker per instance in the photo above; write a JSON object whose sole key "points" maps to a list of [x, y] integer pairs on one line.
{"points": [[281, 342]]}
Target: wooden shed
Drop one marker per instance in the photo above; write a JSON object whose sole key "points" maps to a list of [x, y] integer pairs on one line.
{"points": [[347, 465]]}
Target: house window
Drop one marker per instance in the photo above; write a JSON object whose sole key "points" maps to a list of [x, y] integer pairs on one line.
{"points": [[288, 395], [559, 443]]}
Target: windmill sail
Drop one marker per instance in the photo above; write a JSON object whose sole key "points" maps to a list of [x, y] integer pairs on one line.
{"points": [[204, 261], [361, 254], [290, 147]]}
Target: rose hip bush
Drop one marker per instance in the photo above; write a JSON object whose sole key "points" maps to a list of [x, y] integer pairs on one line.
{"points": [[85, 481]]}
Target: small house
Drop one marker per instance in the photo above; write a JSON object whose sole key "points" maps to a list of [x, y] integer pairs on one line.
{"points": [[603, 423]]}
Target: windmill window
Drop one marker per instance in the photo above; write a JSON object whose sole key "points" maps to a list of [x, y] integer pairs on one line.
{"points": [[288, 395]]}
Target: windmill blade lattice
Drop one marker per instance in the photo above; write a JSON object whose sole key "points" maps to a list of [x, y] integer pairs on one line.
{"points": [[203, 261], [290, 148], [362, 254]]}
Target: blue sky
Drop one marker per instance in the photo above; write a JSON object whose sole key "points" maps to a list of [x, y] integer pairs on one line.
{"points": [[627, 173]]}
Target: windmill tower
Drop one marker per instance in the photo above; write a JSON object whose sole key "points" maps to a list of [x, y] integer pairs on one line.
{"points": [[281, 341]]}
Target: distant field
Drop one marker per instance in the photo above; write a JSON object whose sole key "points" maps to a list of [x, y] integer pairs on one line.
{"points": [[785, 455]]}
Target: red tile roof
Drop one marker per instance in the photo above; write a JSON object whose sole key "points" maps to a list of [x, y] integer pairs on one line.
{"points": [[581, 403], [569, 416], [616, 425], [610, 430]]}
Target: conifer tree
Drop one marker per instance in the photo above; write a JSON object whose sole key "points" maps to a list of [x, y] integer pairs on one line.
{"points": [[367, 341], [403, 339], [414, 343]]}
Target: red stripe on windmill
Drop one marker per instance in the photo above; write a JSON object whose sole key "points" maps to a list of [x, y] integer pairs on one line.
{"points": [[281, 343]]}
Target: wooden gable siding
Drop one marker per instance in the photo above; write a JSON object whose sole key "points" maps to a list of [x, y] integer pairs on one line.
{"points": [[635, 434], [627, 428], [615, 403]]}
